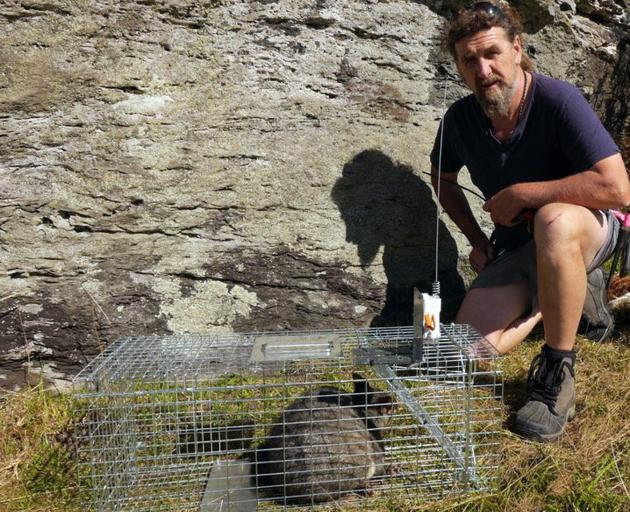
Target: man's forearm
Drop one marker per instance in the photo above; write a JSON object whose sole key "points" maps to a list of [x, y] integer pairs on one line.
{"points": [[605, 186]]}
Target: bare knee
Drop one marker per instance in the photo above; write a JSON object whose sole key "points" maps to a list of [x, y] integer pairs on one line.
{"points": [[556, 225]]}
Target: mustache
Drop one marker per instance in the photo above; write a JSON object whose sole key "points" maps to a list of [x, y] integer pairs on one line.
{"points": [[490, 80]]}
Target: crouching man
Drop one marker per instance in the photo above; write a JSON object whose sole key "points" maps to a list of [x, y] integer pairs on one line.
{"points": [[550, 172]]}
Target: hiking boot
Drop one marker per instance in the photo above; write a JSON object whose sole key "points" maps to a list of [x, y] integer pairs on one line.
{"points": [[551, 396], [597, 321]]}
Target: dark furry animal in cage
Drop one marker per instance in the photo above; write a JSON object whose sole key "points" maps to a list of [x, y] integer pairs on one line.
{"points": [[324, 445]]}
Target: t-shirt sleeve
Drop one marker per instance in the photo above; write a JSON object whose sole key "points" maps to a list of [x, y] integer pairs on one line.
{"points": [[451, 161], [583, 138]]}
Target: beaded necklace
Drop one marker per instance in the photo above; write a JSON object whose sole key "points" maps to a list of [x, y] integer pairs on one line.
{"points": [[521, 105]]}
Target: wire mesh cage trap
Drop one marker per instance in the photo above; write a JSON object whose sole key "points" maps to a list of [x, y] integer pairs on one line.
{"points": [[276, 420]]}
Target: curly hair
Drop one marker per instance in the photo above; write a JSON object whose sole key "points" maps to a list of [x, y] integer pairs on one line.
{"points": [[484, 16]]}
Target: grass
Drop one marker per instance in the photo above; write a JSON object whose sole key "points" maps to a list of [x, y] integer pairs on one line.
{"points": [[37, 468], [587, 470]]}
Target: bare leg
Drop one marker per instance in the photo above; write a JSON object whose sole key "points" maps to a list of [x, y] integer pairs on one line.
{"points": [[567, 239], [500, 314]]}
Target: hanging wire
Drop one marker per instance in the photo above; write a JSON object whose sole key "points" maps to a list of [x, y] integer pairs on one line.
{"points": [[436, 284]]}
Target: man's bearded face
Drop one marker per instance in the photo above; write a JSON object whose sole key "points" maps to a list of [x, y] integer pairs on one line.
{"points": [[488, 62], [495, 94]]}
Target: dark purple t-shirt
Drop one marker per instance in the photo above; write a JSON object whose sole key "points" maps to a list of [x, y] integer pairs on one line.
{"points": [[558, 135]]}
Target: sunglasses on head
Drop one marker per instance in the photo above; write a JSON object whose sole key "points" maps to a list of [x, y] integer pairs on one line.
{"points": [[488, 8]]}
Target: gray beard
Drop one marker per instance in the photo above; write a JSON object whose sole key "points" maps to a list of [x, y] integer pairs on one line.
{"points": [[497, 104]]}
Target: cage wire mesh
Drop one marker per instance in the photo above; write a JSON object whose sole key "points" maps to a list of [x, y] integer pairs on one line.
{"points": [[277, 420]]}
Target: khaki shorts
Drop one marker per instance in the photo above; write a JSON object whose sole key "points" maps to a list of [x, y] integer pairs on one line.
{"points": [[520, 264]]}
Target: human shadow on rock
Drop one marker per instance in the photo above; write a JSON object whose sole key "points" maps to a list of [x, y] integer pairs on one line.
{"points": [[384, 204]]}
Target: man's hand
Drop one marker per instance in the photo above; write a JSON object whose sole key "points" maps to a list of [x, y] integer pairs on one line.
{"points": [[481, 254], [506, 206]]}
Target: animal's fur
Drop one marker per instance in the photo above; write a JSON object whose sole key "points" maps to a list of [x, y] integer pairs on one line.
{"points": [[324, 445]]}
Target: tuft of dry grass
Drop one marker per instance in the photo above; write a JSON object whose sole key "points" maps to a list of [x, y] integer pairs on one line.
{"points": [[37, 467], [587, 470], [618, 286]]}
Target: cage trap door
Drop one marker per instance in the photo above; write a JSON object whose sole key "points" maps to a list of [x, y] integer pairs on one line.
{"points": [[229, 488], [269, 347]]}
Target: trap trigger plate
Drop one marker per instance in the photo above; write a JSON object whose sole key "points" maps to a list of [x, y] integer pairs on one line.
{"points": [[269, 348]]}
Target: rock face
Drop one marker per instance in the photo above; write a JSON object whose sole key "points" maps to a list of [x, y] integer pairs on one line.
{"points": [[185, 166]]}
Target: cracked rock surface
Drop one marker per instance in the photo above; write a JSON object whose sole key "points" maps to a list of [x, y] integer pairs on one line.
{"points": [[184, 166]]}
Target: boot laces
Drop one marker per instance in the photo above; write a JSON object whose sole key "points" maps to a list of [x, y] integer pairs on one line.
{"points": [[544, 381]]}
